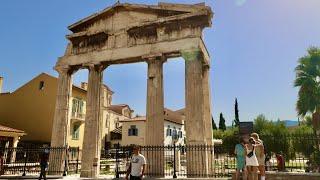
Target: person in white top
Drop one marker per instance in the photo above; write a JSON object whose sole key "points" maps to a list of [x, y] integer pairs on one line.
{"points": [[251, 159], [137, 165]]}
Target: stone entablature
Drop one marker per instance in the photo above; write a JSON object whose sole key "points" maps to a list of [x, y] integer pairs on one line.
{"points": [[147, 31]]}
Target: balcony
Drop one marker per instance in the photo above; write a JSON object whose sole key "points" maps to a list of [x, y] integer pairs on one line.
{"points": [[78, 116]]}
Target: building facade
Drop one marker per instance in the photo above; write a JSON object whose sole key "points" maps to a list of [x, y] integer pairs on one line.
{"points": [[133, 131], [31, 108]]}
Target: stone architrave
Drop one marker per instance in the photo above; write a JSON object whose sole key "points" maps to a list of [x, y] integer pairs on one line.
{"points": [[155, 116], [90, 162], [60, 128], [195, 122]]}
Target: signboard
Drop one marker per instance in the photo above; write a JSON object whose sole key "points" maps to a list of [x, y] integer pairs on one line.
{"points": [[245, 128]]}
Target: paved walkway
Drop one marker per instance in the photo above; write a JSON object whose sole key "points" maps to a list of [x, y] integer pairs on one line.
{"points": [[106, 177]]}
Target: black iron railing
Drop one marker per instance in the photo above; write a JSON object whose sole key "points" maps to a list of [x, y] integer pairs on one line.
{"points": [[294, 153]]}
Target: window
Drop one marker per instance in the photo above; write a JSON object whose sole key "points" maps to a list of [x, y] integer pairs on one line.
{"points": [[133, 131], [77, 108], [117, 123], [168, 131], [41, 85], [107, 120], [180, 134], [174, 132], [109, 100], [75, 131]]}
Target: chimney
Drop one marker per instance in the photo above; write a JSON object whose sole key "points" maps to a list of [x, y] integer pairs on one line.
{"points": [[1, 82], [84, 85]]}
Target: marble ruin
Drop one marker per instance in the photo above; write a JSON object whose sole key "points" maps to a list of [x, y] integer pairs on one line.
{"points": [[130, 33]]}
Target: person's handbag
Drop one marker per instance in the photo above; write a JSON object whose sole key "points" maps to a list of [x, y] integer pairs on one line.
{"points": [[250, 154]]}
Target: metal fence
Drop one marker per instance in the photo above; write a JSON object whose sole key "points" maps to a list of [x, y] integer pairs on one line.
{"points": [[295, 153], [22, 161], [172, 161], [292, 152]]}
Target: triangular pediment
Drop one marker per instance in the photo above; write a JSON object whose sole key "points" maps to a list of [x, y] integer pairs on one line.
{"points": [[121, 15]]}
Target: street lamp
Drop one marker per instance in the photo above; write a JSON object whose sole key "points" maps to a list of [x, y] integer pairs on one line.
{"points": [[175, 139]]}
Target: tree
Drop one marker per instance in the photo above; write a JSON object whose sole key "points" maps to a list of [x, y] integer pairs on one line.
{"points": [[307, 121], [214, 126], [222, 123], [308, 81], [236, 114], [261, 123]]}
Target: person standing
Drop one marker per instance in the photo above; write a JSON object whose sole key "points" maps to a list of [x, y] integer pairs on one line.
{"points": [[137, 165], [44, 156], [240, 152], [260, 155], [251, 160]]}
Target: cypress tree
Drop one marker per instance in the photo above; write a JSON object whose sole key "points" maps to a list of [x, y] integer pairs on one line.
{"points": [[214, 126], [222, 123], [236, 114]]}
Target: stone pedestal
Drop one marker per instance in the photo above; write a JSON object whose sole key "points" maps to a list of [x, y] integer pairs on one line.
{"points": [[90, 162], [196, 115], [60, 128], [155, 116]]}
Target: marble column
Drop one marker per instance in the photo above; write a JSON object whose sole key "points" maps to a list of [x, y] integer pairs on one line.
{"points": [[197, 162], [14, 145], [155, 115], [60, 128], [207, 116], [90, 162]]}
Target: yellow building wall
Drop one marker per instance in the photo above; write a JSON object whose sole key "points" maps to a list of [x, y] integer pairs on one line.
{"points": [[32, 110], [138, 140]]}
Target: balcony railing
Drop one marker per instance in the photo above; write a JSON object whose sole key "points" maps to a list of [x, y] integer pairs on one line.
{"points": [[77, 115]]}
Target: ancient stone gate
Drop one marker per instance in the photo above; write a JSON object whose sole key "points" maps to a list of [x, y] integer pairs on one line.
{"points": [[128, 33]]}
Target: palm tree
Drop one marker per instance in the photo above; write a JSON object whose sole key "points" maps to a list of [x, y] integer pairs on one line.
{"points": [[308, 81]]}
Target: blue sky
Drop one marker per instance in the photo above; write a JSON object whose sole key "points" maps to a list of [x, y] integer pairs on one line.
{"points": [[254, 46]]}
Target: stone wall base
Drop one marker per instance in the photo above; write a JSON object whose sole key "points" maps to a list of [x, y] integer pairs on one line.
{"points": [[289, 175]]}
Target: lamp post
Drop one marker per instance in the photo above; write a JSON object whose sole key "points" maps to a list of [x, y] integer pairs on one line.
{"points": [[175, 139]]}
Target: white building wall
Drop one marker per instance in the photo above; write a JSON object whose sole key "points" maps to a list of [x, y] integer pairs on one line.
{"points": [[168, 139]]}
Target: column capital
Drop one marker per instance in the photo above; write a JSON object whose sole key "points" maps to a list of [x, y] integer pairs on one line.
{"points": [[62, 69], [98, 67], [155, 57], [66, 69], [191, 55]]}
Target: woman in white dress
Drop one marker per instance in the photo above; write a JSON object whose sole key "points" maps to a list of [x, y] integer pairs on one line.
{"points": [[251, 160]]}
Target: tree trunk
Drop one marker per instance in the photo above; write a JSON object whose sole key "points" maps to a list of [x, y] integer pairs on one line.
{"points": [[316, 121], [316, 126]]}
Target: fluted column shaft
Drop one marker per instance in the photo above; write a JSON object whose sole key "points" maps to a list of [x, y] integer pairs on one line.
{"points": [[90, 162], [155, 116], [61, 121]]}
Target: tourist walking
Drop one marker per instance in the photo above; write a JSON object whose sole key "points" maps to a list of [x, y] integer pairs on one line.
{"points": [[44, 156], [137, 165], [260, 155], [251, 160], [240, 152]]}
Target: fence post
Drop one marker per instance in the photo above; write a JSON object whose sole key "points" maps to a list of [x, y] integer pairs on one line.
{"points": [[25, 163], [117, 161], [77, 166], [174, 161], [65, 162]]}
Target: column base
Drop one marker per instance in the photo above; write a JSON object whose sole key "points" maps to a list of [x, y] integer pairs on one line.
{"points": [[89, 174]]}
